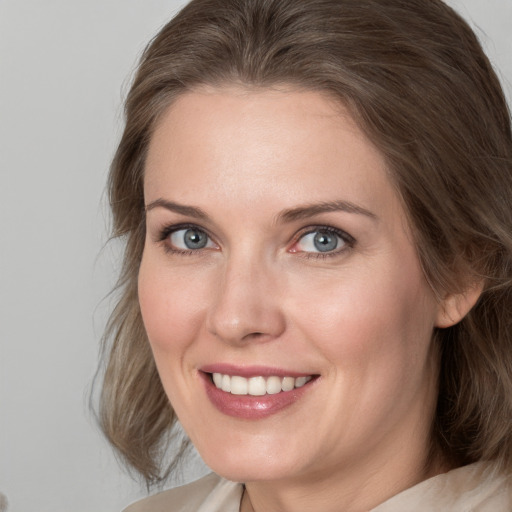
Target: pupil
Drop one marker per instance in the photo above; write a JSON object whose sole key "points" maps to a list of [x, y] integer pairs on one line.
{"points": [[195, 239], [325, 241]]}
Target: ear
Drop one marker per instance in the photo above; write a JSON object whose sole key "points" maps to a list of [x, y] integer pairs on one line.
{"points": [[454, 307]]}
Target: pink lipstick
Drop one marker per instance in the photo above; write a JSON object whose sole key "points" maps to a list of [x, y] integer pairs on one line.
{"points": [[253, 392]]}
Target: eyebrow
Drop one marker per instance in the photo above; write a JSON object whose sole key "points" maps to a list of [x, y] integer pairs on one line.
{"points": [[190, 211], [289, 215], [309, 210]]}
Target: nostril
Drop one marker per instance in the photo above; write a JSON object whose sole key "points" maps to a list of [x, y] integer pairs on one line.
{"points": [[254, 335]]}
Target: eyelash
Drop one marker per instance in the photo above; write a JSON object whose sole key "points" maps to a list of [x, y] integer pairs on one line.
{"points": [[349, 240], [167, 231]]}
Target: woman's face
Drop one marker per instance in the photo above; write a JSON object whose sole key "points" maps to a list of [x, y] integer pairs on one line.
{"points": [[278, 262]]}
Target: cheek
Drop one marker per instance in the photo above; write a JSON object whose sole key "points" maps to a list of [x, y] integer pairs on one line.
{"points": [[369, 316], [170, 303], [375, 332]]}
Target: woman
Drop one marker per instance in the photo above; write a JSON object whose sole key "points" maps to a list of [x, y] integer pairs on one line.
{"points": [[315, 196]]}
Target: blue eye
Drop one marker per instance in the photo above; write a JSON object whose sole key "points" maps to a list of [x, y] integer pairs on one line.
{"points": [[322, 240], [190, 239]]}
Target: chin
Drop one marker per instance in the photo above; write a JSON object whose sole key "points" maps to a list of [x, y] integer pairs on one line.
{"points": [[242, 466]]}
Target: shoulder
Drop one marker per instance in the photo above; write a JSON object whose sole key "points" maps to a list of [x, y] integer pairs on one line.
{"points": [[208, 494], [479, 487]]}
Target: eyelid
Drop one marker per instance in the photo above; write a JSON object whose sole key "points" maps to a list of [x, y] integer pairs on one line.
{"points": [[164, 231], [348, 240], [163, 234]]}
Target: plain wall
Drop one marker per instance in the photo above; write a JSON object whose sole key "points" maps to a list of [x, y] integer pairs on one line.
{"points": [[64, 65]]}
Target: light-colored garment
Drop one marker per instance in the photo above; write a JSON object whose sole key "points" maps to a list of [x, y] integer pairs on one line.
{"points": [[473, 488], [209, 494]]}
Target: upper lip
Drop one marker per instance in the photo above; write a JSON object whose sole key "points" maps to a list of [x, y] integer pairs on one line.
{"points": [[251, 371]]}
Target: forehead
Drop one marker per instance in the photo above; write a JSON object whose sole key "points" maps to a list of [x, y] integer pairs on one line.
{"points": [[290, 145]]}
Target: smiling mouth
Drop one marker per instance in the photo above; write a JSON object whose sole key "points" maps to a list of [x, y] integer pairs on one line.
{"points": [[257, 386]]}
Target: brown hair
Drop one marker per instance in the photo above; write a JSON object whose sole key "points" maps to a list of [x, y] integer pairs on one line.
{"points": [[415, 78]]}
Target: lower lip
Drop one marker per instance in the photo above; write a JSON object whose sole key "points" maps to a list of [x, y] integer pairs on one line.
{"points": [[252, 407]]}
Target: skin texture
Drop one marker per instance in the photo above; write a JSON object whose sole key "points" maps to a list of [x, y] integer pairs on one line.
{"points": [[360, 318]]}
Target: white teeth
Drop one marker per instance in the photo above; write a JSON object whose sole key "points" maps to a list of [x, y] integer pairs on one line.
{"points": [[217, 379], [226, 383], [273, 385], [257, 386], [288, 384], [300, 381], [238, 385]]}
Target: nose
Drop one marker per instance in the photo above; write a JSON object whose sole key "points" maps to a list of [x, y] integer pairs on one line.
{"points": [[246, 304]]}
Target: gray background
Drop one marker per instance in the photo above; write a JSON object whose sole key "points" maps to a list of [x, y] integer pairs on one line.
{"points": [[64, 67]]}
